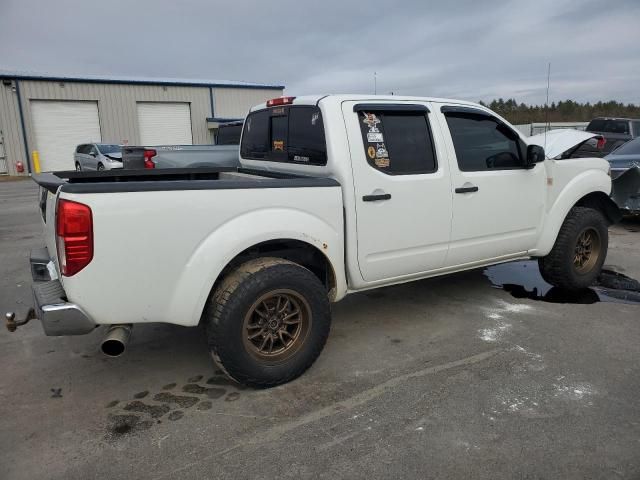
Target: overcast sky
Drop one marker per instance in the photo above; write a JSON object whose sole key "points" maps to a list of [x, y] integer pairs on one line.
{"points": [[476, 50]]}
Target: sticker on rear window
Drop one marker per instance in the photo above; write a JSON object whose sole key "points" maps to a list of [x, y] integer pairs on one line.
{"points": [[375, 137], [372, 122]]}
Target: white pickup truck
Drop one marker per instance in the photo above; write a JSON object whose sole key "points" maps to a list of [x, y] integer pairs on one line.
{"points": [[335, 194]]}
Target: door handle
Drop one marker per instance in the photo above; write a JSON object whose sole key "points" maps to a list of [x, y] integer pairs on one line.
{"points": [[466, 189], [375, 198]]}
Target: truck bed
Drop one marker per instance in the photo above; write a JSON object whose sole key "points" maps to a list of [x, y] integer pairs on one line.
{"points": [[174, 179]]}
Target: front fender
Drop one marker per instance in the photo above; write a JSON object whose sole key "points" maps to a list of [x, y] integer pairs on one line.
{"points": [[215, 252], [578, 187]]}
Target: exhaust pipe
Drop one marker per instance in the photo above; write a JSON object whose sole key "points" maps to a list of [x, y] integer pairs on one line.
{"points": [[116, 340]]}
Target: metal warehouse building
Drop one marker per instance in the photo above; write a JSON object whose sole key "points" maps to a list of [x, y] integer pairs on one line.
{"points": [[53, 114]]}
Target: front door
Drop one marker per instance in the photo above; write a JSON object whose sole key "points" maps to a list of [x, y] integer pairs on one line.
{"points": [[498, 204], [402, 190]]}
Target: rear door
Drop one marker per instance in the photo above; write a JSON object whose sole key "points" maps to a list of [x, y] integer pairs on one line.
{"points": [[402, 189], [498, 204]]}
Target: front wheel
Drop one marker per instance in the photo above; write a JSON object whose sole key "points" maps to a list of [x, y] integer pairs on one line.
{"points": [[579, 252], [267, 322]]}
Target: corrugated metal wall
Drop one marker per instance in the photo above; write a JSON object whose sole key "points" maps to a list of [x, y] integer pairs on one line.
{"points": [[10, 126], [235, 103], [118, 110]]}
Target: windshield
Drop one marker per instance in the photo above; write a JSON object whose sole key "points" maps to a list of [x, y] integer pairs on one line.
{"points": [[107, 149], [629, 148]]}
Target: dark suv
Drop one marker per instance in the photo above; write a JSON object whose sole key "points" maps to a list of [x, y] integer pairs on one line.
{"points": [[615, 131]]}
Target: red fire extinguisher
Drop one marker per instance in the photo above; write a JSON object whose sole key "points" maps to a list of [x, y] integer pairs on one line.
{"points": [[19, 167]]}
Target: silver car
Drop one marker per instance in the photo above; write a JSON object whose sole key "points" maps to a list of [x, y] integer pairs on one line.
{"points": [[98, 156]]}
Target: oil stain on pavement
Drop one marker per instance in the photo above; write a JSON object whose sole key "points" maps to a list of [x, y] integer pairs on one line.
{"points": [[136, 416]]}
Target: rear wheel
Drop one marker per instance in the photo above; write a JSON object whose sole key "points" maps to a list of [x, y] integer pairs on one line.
{"points": [[100, 167], [78, 167], [579, 252], [267, 322]]}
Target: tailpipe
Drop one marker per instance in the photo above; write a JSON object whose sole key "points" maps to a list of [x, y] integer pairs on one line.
{"points": [[116, 340]]}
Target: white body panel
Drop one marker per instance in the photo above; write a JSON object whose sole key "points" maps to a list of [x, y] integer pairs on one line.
{"points": [[159, 253]]}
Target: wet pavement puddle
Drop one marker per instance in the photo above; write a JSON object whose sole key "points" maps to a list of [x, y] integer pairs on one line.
{"points": [[522, 279]]}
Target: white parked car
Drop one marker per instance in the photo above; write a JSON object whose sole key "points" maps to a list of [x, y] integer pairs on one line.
{"points": [[335, 195], [97, 156]]}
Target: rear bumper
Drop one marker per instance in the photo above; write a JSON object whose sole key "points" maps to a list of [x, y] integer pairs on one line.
{"points": [[58, 316]]}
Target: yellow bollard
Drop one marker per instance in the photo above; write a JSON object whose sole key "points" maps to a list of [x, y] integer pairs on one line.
{"points": [[36, 161]]}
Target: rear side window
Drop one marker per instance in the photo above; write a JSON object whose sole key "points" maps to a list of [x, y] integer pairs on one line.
{"points": [[293, 134], [398, 143], [636, 129], [483, 143], [81, 149]]}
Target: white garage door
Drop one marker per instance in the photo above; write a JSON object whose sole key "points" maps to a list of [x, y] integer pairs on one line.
{"points": [[165, 123], [59, 127]]}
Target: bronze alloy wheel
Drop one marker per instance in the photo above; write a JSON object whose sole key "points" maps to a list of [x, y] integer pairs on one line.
{"points": [[276, 325], [587, 250]]}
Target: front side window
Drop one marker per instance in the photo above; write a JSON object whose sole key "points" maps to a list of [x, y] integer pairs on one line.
{"points": [[398, 142], [292, 134], [483, 143]]}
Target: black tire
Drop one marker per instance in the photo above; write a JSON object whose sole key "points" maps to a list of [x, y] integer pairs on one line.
{"points": [[78, 167], [100, 167], [560, 267], [231, 311]]}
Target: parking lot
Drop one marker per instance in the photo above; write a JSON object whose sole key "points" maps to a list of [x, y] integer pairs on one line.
{"points": [[443, 378]]}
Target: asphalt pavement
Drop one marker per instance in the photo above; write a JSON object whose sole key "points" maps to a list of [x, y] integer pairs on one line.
{"points": [[443, 378]]}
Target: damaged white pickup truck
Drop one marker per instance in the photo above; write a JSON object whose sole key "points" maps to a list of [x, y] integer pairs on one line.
{"points": [[335, 195]]}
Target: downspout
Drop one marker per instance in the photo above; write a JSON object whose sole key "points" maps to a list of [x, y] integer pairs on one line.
{"points": [[24, 131], [212, 108]]}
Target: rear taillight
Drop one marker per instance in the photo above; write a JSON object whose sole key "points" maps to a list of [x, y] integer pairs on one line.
{"points": [[148, 155], [274, 102], [74, 236], [601, 143]]}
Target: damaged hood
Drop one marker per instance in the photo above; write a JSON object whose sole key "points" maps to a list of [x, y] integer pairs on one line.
{"points": [[558, 142]]}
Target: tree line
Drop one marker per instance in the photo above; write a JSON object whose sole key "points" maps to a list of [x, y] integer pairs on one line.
{"points": [[562, 111]]}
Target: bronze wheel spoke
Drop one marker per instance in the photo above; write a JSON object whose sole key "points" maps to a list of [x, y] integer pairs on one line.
{"points": [[276, 326], [255, 335], [287, 318]]}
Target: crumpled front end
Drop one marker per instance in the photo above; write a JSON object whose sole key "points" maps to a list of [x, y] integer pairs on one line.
{"points": [[625, 190]]}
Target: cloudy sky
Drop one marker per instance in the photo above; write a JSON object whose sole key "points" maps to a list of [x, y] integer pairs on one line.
{"points": [[476, 50]]}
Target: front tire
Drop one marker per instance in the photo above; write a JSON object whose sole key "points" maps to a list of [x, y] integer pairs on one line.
{"points": [[267, 322], [100, 167], [580, 250]]}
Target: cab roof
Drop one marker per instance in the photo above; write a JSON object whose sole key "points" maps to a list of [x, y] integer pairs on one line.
{"points": [[339, 98]]}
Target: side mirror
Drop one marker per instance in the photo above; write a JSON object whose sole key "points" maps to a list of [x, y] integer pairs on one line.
{"points": [[535, 154]]}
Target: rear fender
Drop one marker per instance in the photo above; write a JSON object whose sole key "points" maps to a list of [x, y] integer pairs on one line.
{"points": [[215, 252]]}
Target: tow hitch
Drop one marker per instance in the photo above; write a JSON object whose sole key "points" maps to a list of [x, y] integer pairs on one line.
{"points": [[12, 324]]}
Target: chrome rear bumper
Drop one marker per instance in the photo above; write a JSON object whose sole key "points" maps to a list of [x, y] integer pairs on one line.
{"points": [[57, 315]]}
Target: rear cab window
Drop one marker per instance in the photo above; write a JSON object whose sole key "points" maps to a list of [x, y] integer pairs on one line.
{"points": [[289, 134], [397, 140], [609, 126]]}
